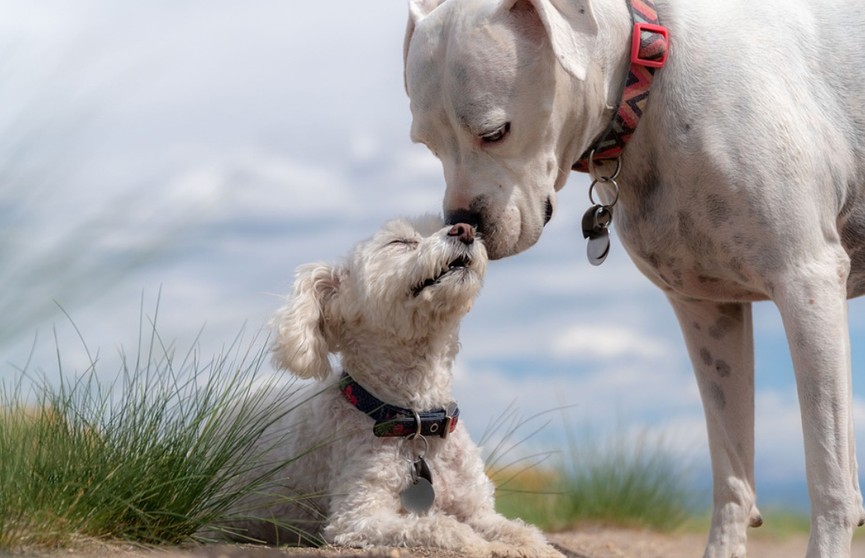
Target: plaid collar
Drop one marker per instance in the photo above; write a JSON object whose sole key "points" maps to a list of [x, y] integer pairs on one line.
{"points": [[391, 420], [649, 46]]}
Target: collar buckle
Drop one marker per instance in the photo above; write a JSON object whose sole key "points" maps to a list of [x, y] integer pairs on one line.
{"points": [[450, 420], [649, 50]]}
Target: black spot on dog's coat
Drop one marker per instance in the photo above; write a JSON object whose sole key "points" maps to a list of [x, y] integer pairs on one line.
{"points": [[717, 209], [721, 327], [716, 392], [722, 368]]}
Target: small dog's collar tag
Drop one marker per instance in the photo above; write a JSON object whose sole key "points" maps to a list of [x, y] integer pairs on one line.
{"points": [[419, 496]]}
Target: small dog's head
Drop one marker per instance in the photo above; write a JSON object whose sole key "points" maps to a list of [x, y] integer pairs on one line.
{"points": [[412, 280]]}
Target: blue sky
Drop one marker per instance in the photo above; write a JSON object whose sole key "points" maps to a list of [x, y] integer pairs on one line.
{"points": [[226, 144]]}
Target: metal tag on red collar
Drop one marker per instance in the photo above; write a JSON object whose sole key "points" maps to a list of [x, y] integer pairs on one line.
{"points": [[595, 224]]}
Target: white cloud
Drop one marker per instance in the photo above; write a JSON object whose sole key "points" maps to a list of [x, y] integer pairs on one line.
{"points": [[201, 187], [600, 341], [778, 435], [277, 186]]}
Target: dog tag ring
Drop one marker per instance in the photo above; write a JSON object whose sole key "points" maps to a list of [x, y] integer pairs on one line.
{"points": [[419, 496], [602, 217]]}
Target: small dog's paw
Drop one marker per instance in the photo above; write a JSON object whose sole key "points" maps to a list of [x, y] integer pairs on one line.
{"points": [[483, 550], [512, 532], [516, 532], [504, 550], [351, 540], [549, 551]]}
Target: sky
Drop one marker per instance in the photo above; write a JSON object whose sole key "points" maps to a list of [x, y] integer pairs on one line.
{"points": [[188, 156]]}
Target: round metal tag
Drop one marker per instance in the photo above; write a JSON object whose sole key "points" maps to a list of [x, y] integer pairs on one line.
{"points": [[598, 248], [418, 497]]}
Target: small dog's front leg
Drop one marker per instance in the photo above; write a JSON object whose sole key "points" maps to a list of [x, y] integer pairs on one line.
{"points": [[382, 525], [470, 498], [521, 539], [721, 346], [463, 519]]}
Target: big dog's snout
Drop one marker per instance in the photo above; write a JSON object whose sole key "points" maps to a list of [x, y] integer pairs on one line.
{"points": [[465, 217]]}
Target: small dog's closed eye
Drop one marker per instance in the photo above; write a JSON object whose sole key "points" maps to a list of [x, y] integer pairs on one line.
{"points": [[403, 470]]}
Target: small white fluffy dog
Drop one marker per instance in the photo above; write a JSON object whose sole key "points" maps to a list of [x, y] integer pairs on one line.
{"points": [[392, 314]]}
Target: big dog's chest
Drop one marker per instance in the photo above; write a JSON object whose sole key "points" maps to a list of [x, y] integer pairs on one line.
{"points": [[684, 254], [717, 241]]}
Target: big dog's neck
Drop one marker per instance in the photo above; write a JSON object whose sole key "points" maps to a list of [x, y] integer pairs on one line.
{"points": [[586, 118], [612, 48], [610, 69]]}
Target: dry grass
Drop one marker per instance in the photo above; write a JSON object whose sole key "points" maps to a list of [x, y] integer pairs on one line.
{"points": [[627, 481]]}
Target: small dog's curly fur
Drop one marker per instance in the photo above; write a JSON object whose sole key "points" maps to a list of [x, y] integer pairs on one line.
{"points": [[392, 314]]}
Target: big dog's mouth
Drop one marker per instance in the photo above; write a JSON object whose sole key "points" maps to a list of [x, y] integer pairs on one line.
{"points": [[458, 264]]}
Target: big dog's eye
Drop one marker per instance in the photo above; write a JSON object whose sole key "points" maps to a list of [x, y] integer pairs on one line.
{"points": [[497, 135]]}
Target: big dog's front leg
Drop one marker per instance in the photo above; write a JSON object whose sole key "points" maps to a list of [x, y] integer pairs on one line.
{"points": [[813, 304], [720, 342]]}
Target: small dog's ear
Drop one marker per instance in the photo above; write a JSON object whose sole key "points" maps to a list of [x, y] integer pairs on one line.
{"points": [[302, 345]]}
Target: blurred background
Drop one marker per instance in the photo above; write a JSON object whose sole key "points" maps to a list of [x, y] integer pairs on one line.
{"points": [[190, 155]]}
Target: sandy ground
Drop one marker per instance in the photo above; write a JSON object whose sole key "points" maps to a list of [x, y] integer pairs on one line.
{"points": [[595, 542]]}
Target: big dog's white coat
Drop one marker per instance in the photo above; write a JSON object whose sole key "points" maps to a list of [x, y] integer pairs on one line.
{"points": [[743, 182]]}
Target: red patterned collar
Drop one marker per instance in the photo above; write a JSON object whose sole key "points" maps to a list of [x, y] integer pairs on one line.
{"points": [[649, 47]]}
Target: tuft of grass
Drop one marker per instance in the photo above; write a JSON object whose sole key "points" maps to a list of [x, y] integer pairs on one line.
{"points": [[633, 481], [534, 495], [163, 453], [527, 486]]}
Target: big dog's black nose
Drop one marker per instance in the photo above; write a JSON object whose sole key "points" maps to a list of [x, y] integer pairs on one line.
{"points": [[465, 233], [466, 216]]}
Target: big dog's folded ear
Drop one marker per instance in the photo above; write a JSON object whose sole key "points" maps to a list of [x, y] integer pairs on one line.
{"points": [[571, 27], [302, 339], [417, 10]]}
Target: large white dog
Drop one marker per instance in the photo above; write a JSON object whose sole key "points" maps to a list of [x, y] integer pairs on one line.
{"points": [[744, 180]]}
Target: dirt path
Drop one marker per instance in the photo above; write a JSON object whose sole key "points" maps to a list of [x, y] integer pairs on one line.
{"points": [[583, 543], [625, 543]]}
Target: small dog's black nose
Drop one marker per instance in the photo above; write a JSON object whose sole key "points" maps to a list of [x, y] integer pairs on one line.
{"points": [[465, 233]]}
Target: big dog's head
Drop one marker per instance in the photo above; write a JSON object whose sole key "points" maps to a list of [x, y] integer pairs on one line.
{"points": [[507, 94]]}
